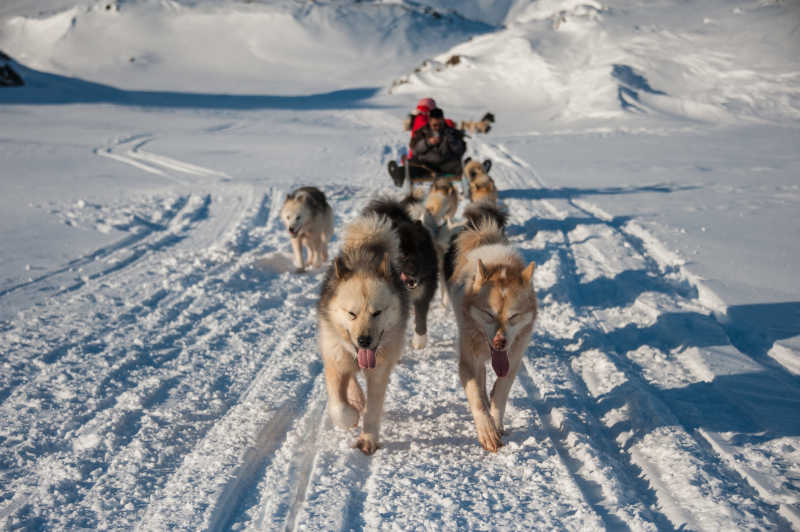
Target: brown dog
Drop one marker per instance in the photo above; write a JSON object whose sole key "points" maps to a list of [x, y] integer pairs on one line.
{"points": [[481, 185], [484, 125], [442, 200], [492, 293]]}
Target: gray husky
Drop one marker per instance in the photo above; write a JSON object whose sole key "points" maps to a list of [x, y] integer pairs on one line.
{"points": [[309, 220]]}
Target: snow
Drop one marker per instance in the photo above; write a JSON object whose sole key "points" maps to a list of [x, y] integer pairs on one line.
{"points": [[158, 358]]}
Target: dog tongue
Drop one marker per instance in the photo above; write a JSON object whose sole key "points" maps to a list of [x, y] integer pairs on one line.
{"points": [[366, 358], [500, 362]]}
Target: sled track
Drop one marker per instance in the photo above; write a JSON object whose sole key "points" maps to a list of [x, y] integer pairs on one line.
{"points": [[174, 382], [122, 398], [637, 403]]}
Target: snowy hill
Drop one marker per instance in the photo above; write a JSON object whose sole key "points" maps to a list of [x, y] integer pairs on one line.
{"points": [[572, 61], [247, 47], [158, 356]]}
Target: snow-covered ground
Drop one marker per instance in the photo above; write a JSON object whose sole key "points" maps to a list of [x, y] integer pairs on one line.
{"points": [[158, 361]]}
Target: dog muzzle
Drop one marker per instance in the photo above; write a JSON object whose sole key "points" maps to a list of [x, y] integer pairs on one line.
{"points": [[368, 358], [410, 282]]}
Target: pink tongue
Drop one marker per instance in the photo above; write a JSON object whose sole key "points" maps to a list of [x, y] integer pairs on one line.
{"points": [[500, 362], [366, 358]]}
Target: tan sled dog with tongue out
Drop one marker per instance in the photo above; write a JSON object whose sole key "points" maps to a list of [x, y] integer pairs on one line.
{"points": [[495, 305], [362, 313]]}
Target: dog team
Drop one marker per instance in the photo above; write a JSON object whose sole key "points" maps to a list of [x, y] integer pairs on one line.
{"points": [[392, 259]]}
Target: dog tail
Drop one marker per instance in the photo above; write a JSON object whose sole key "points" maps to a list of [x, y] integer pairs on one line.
{"points": [[414, 198], [312, 195], [371, 234], [391, 208], [474, 237], [418, 212], [480, 230], [442, 185], [480, 213]]}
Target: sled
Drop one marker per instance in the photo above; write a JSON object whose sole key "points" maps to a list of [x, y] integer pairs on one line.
{"points": [[430, 177]]}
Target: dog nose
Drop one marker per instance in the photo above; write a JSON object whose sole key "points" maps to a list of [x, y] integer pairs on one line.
{"points": [[364, 340], [499, 342]]}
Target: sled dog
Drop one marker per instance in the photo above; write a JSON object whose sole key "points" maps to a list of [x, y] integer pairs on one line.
{"points": [[442, 200], [481, 185], [414, 204], [418, 265], [484, 125], [440, 234], [309, 220], [495, 307], [362, 315]]}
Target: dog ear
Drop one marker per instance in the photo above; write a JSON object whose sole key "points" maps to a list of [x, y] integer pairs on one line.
{"points": [[386, 266], [340, 268], [527, 273], [468, 159], [480, 275]]}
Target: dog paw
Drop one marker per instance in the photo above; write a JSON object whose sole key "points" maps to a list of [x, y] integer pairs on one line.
{"points": [[419, 341], [498, 423], [367, 444], [489, 438], [343, 415]]}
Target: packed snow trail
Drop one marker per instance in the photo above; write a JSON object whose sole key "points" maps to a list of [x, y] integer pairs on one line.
{"points": [[172, 380]]}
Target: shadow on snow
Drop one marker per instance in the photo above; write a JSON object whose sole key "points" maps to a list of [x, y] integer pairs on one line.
{"points": [[758, 403], [572, 192], [51, 89]]}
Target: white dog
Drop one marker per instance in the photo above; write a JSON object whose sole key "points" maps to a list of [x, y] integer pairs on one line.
{"points": [[309, 220]]}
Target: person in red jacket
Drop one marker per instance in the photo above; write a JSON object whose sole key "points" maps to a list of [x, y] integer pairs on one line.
{"points": [[438, 149], [424, 107], [420, 119]]}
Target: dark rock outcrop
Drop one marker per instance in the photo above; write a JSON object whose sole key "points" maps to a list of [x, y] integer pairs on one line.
{"points": [[8, 76]]}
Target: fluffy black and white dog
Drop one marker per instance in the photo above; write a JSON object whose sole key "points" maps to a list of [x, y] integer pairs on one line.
{"points": [[418, 263]]}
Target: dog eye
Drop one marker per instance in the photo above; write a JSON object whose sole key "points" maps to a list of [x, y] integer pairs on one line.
{"points": [[516, 318], [376, 313], [352, 315]]}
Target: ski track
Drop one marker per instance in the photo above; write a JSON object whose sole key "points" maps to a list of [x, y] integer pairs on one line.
{"points": [[129, 150], [174, 382]]}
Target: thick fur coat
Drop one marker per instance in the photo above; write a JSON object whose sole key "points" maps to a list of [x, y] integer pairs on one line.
{"points": [[417, 262], [495, 307], [481, 185], [308, 217], [362, 316]]}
